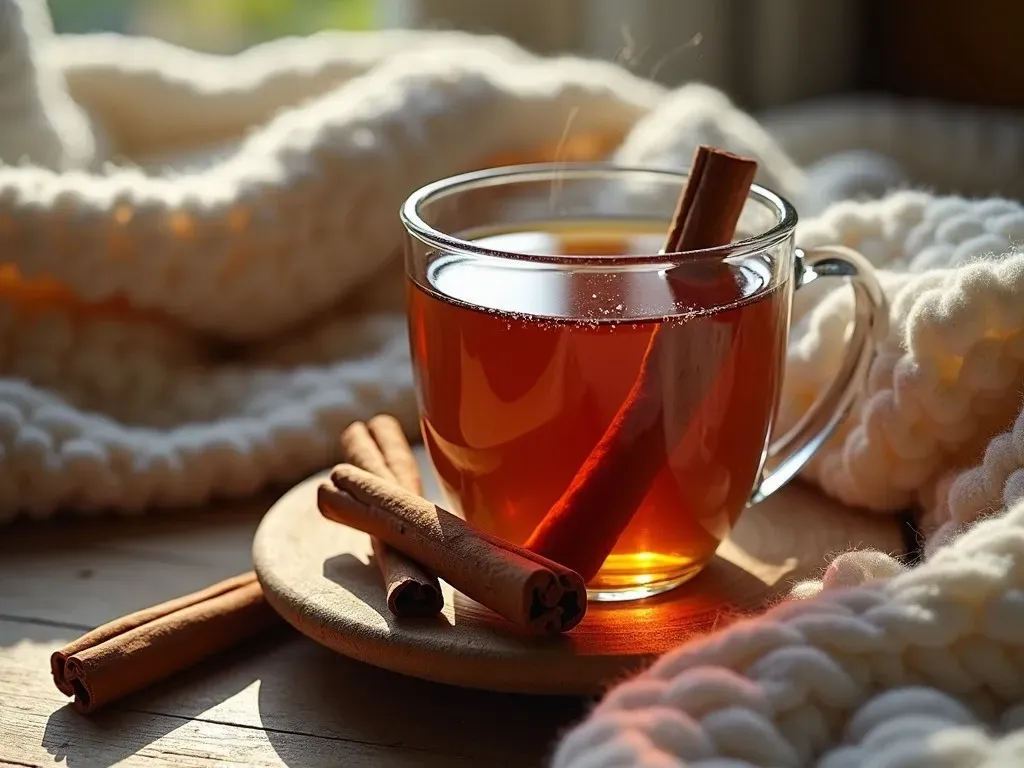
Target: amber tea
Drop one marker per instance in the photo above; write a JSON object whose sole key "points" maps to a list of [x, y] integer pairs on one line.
{"points": [[521, 370]]}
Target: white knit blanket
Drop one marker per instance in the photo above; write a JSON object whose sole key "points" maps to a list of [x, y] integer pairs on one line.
{"points": [[199, 287]]}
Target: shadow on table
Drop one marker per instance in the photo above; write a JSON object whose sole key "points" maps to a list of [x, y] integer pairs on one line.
{"points": [[363, 582], [328, 695], [127, 727], [306, 703], [352, 700], [319, 691]]}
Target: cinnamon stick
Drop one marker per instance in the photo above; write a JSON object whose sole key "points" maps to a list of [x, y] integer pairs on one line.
{"points": [[678, 370], [380, 448], [132, 652], [387, 433], [531, 591]]}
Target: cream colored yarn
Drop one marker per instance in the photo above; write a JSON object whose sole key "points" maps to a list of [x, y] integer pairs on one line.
{"points": [[302, 210], [946, 380], [290, 164], [925, 668]]}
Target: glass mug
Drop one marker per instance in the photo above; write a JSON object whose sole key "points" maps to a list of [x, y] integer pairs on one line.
{"points": [[533, 292]]}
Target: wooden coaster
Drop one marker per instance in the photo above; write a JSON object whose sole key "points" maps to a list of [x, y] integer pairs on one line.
{"points": [[319, 576]]}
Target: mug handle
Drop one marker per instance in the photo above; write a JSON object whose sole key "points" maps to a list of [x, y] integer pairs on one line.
{"points": [[791, 451]]}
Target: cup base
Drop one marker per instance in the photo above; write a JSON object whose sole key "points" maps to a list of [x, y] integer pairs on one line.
{"points": [[641, 587]]}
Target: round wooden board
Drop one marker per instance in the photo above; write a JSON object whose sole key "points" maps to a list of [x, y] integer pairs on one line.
{"points": [[320, 577]]}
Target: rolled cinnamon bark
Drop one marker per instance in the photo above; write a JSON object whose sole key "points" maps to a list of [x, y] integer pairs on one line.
{"points": [[380, 448], [387, 433], [137, 650], [583, 526], [529, 590]]}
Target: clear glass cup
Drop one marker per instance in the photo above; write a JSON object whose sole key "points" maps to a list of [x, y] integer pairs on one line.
{"points": [[535, 296]]}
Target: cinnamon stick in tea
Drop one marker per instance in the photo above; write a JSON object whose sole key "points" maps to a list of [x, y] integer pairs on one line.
{"points": [[678, 370], [137, 650], [379, 447], [531, 591]]}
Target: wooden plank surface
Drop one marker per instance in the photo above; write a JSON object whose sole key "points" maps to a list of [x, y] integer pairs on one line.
{"points": [[279, 700]]}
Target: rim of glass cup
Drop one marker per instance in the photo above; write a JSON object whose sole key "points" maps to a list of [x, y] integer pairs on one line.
{"points": [[786, 216]]}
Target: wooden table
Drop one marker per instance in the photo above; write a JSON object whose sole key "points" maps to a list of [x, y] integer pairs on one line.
{"points": [[280, 700]]}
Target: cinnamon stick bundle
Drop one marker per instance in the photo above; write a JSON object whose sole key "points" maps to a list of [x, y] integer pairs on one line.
{"points": [[139, 649], [529, 590], [379, 447], [679, 368]]}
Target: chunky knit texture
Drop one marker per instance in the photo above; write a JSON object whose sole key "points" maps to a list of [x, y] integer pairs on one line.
{"points": [[920, 668], [199, 288]]}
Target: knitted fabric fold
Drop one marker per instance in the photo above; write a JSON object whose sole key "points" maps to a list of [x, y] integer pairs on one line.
{"points": [[923, 668]]}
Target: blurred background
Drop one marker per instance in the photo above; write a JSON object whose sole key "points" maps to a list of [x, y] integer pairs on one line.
{"points": [[764, 53]]}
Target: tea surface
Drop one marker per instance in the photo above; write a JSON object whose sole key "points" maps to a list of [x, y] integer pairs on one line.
{"points": [[522, 365]]}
